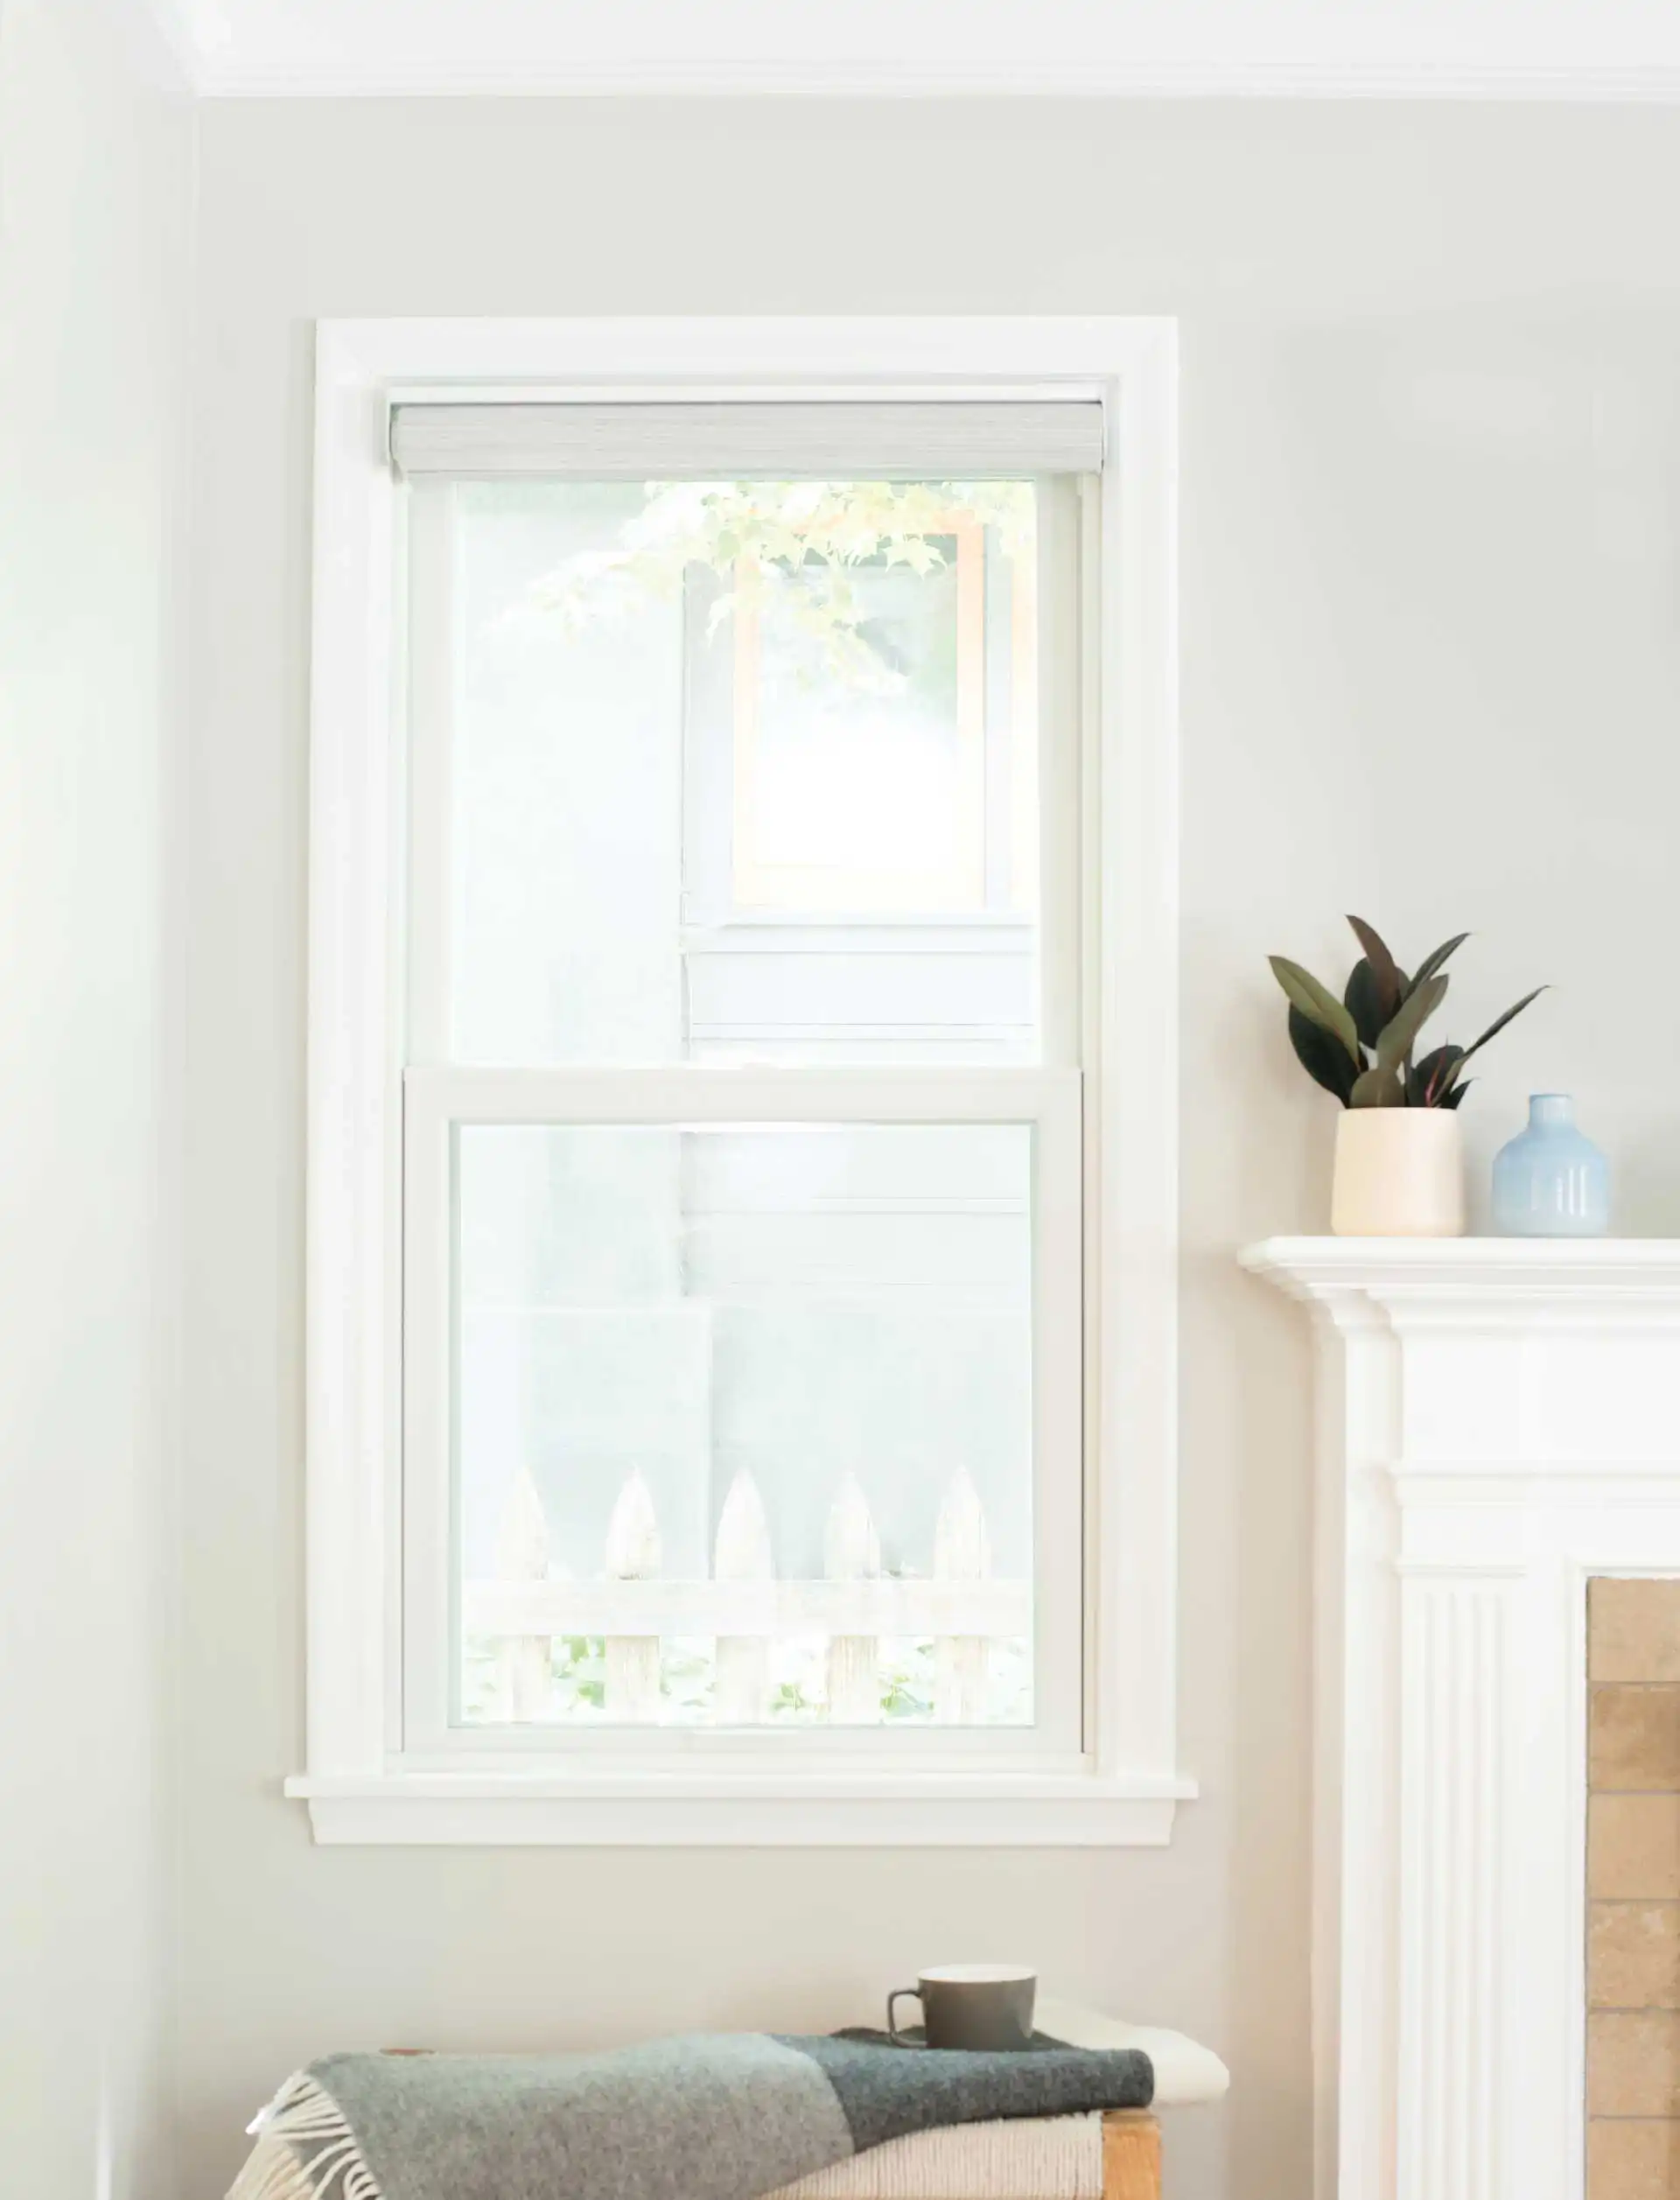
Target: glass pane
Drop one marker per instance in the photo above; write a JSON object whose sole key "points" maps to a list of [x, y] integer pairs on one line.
{"points": [[741, 770], [744, 1425], [860, 781]]}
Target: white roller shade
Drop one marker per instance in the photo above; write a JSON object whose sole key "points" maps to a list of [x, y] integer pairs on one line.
{"points": [[960, 440]]}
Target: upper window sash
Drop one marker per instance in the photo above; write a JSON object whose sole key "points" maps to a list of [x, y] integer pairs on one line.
{"points": [[729, 897]]}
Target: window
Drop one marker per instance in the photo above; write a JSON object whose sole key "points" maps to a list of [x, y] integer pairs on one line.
{"points": [[716, 958]]}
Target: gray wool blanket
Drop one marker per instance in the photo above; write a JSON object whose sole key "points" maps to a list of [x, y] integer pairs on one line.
{"points": [[716, 2116]]}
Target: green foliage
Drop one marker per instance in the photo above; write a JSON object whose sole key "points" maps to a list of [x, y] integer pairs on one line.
{"points": [[1499, 1022], [1394, 1041], [1433, 1076], [804, 542], [907, 1684], [1381, 1086], [1361, 1047], [1387, 983], [1430, 963], [579, 1662], [1363, 998], [1324, 1058], [1317, 1003], [796, 1695]]}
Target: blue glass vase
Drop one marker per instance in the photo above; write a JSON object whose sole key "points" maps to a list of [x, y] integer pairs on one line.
{"points": [[1550, 1181]]}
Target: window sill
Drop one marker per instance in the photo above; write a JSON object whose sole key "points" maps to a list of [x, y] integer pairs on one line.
{"points": [[527, 1810]]}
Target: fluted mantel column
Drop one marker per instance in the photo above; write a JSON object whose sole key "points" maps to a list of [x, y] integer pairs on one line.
{"points": [[1498, 1419]]}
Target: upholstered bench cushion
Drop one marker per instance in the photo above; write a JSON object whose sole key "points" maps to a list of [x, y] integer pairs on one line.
{"points": [[1187, 2075]]}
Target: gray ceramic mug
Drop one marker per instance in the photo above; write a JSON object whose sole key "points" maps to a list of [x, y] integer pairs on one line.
{"points": [[972, 2005]]}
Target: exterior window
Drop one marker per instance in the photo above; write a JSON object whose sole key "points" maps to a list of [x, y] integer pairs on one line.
{"points": [[742, 1072]]}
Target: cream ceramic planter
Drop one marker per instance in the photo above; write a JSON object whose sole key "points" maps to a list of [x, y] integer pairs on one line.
{"points": [[1399, 1173]]}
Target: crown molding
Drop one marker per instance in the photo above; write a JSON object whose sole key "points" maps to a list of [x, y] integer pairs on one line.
{"points": [[156, 35], [224, 74]]}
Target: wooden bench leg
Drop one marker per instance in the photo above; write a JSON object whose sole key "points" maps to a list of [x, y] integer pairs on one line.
{"points": [[1132, 2155]]}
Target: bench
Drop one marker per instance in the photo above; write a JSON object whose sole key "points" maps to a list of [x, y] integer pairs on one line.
{"points": [[1110, 2156]]}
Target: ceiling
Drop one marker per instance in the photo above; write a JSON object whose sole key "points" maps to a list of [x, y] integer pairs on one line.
{"points": [[1623, 50]]}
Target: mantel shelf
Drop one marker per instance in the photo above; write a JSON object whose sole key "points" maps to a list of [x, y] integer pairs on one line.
{"points": [[1460, 1270]]}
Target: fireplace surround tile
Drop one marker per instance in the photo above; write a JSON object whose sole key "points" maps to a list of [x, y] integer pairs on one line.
{"points": [[1633, 1955], [1632, 1633], [1632, 1942], [1632, 2062], [1633, 1847], [1635, 1736], [1633, 2158]]}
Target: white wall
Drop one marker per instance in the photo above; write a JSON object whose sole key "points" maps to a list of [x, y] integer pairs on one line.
{"points": [[96, 177], [1432, 672]]}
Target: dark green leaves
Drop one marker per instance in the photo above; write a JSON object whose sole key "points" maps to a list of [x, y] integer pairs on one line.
{"points": [[1316, 1002], [1378, 1088], [1499, 1022], [1363, 1001], [1360, 1048], [1430, 963], [1432, 1078], [1321, 1054], [1388, 987], [1396, 1039]]}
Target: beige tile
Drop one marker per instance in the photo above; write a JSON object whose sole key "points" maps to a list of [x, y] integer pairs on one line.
{"points": [[1633, 1955], [1632, 2062], [1634, 2160], [1633, 1848], [1635, 1737], [1634, 1631]]}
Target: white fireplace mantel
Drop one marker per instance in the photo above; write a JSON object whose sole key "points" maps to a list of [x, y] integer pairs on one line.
{"points": [[1498, 1419]]}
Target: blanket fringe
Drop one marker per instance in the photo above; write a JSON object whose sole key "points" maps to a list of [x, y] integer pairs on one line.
{"points": [[305, 2150]]}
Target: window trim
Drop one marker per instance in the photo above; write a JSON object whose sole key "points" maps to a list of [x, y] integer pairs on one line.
{"points": [[1125, 1789]]}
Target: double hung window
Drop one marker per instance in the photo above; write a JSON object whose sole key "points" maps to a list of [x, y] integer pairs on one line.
{"points": [[747, 1039]]}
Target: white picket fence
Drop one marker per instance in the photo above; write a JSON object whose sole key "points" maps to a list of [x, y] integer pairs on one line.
{"points": [[742, 1606]]}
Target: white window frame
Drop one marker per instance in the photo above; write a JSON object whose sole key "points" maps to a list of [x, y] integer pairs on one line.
{"points": [[1122, 1786]]}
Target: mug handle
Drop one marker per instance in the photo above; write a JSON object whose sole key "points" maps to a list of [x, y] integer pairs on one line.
{"points": [[903, 1994]]}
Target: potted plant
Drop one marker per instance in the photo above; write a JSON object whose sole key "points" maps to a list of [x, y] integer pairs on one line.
{"points": [[1399, 1170]]}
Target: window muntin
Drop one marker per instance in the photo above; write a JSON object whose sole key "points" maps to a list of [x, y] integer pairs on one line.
{"points": [[579, 896]]}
